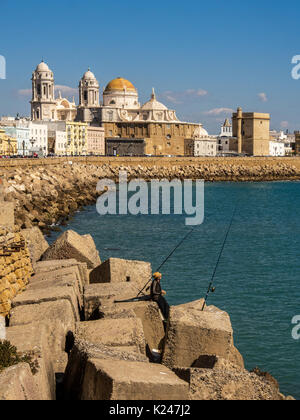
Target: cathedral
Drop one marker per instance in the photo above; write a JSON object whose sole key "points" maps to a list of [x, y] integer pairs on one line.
{"points": [[119, 112]]}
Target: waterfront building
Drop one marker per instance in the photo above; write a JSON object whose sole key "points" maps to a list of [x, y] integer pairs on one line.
{"points": [[125, 147], [60, 143], [44, 105], [120, 112], [38, 137], [21, 132], [204, 146], [251, 133], [277, 148], [95, 140], [8, 144], [223, 140], [226, 129], [297, 142]]}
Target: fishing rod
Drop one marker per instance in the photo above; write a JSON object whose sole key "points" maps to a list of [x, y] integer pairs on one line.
{"points": [[160, 267], [210, 287]]}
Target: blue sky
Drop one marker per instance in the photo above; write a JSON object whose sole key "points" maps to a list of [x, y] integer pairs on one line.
{"points": [[203, 58]]}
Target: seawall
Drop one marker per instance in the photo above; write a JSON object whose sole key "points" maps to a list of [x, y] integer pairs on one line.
{"points": [[48, 191]]}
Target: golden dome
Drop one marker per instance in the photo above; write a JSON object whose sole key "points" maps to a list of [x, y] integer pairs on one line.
{"points": [[120, 84]]}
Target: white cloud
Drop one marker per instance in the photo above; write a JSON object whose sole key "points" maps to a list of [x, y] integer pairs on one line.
{"points": [[284, 124], [68, 91], [219, 111], [65, 90], [263, 97], [183, 96], [24, 92]]}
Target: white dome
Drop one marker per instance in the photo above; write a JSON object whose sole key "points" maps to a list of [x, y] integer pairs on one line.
{"points": [[42, 67], [154, 105], [88, 75], [200, 132]]}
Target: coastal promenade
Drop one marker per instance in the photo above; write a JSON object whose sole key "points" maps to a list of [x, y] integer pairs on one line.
{"points": [[249, 162]]}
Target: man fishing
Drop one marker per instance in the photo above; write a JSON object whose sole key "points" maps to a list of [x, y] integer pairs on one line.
{"points": [[157, 295]]}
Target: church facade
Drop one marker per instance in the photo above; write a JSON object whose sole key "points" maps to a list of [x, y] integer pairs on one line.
{"points": [[119, 113]]}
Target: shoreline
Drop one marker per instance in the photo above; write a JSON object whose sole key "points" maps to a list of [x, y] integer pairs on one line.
{"points": [[47, 192]]}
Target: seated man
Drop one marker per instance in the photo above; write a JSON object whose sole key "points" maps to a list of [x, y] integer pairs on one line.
{"points": [[157, 296]]}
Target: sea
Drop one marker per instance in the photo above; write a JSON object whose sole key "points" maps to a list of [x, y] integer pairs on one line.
{"points": [[258, 277]]}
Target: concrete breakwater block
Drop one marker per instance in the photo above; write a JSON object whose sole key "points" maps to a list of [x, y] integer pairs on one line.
{"points": [[71, 245], [17, 384], [49, 294], [36, 243], [35, 339], [83, 351], [68, 276], [116, 270], [120, 380], [193, 333], [54, 313], [53, 265], [99, 298], [99, 303], [114, 332]]}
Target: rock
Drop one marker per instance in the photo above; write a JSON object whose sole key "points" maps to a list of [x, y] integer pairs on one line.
{"points": [[67, 276], [227, 383], [116, 270], [193, 333], [119, 380], [57, 318], [17, 384], [7, 218], [53, 265], [34, 339], [36, 243], [99, 298], [81, 353], [71, 245], [114, 332], [50, 294]]}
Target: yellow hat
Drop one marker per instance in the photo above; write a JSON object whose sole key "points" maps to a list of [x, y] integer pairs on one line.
{"points": [[157, 275]]}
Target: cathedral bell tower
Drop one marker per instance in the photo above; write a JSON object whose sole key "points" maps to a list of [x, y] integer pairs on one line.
{"points": [[43, 101], [89, 100]]}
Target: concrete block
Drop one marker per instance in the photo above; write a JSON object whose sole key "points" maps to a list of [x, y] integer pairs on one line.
{"points": [[71, 245], [114, 332], [193, 333], [116, 270], [119, 380], [17, 384], [83, 351], [49, 294], [36, 243]]}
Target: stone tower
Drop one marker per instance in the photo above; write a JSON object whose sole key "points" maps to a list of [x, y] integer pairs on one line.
{"points": [[43, 104], [88, 97]]}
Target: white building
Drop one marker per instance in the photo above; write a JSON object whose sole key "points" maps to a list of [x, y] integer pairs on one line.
{"points": [[22, 133], [277, 148], [60, 143], [206, 146], [224, 137], [39, 138], [226, 129]]}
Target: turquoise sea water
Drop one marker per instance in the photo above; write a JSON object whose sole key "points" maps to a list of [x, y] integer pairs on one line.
{"points": [[257, 282]]}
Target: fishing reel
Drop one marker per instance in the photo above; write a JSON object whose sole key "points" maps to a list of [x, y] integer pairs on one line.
{"points": [[212, 289]]}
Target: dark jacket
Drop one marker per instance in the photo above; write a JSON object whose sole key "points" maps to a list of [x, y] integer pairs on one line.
{"points": [[155, 290]]}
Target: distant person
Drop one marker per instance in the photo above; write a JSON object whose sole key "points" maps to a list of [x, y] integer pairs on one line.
{"points": [[157, 295]]}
